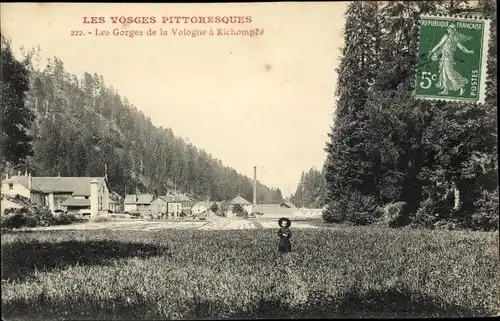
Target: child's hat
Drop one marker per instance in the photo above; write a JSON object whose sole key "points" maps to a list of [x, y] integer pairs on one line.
{"points": [[286, 220]]}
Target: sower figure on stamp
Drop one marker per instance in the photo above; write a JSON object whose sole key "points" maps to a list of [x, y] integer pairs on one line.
{"points": [[284, 234], [449, 78]]}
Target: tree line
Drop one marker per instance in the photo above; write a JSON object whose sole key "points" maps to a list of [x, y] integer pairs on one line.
{"points": [[56, 123], [311, 190], [404, 161]]}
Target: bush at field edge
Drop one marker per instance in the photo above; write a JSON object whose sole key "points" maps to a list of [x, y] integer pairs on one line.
{"points": [[36, 215]]}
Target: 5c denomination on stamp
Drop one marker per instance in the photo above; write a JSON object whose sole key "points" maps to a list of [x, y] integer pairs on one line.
{"points": [[452, 59]]}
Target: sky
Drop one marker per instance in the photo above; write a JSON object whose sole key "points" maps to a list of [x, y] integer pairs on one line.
{"points": [[264, 101]]}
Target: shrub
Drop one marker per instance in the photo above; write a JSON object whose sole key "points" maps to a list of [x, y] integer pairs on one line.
{"points": [[486, 215], [391, 214], [67, 218], [352, 208], [29, 216], [102, 219], [238, 210], [431, 211], [36, 215]]}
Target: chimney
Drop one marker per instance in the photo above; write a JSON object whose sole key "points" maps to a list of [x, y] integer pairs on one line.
{"points": [[254, 186], [26, 172], [106, 170], [18, 173], [7, 175], [58, 174], [29, 181]]}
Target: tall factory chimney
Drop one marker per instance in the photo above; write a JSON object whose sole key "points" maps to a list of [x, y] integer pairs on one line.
{"points": [[254, 186]]}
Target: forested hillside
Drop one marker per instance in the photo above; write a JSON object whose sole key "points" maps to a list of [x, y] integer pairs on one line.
{"points": [[311, 190], [435, 161], [82, 123]]}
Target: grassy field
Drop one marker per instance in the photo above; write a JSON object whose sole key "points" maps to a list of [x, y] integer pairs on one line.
{"points": [[174, 274]]}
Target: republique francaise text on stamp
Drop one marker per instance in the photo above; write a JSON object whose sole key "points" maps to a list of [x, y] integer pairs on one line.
{"points": [[452, 59]]}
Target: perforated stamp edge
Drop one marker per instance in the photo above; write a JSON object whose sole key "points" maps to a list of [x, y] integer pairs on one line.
{"points": [[484, 57]]}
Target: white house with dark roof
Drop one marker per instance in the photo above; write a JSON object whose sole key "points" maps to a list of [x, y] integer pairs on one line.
{"points": [[129, 204], [65, 193], [143, 203], [203, 208]]}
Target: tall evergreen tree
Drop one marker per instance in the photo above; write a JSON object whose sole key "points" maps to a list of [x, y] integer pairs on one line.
{"points": [[15, 117]]}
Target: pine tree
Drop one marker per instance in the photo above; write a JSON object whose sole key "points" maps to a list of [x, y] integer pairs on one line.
{"points": [[15, 117]]}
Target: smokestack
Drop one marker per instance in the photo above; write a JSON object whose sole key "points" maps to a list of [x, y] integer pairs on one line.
{"points": [[254, 186]]}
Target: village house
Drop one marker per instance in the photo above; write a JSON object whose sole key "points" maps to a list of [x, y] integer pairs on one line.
{"points": [[159, 205], [203, 208], [144, 203], [177, 204], [129, 204], [113, 207], [285, 208], [173, 205], [58, 193], [238, 200]]}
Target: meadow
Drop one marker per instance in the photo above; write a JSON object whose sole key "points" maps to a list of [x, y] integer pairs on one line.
{"points": [[192, 274]]}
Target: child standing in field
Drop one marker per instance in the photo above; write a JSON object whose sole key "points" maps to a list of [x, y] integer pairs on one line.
{"points": [[284, 234]]}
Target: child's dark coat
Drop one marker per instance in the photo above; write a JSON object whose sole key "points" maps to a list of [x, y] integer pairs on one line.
{"points": [[284, 245]]}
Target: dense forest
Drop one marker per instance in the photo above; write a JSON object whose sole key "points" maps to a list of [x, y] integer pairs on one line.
{"points": [[311, 190], [404, 161], [80, 126]]}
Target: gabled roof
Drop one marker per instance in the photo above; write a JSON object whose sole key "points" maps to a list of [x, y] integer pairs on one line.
{"points": [[76, 185], [273, 209], [144, 199], [240, 200], [205, 204], [176, 198], [288, 204], [23, 180], [129, 199], [71, 201]]}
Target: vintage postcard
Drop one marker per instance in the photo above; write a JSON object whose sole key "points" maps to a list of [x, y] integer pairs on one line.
{"points": [[288, 160]]}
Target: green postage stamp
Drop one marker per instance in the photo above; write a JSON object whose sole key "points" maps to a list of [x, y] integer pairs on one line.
{"points": [[452, 59]]}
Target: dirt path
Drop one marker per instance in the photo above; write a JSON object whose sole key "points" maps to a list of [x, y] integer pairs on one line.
{"points": [[139, 225]]}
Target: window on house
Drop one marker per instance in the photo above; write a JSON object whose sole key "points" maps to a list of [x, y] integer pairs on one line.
{"points": [[11, 186], [86, 197]]}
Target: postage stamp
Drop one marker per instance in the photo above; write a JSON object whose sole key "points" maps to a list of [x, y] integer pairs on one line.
{"points": [[452, 59]]}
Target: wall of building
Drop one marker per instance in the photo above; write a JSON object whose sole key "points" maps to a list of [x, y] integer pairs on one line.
{"points": [[37, 198], [175, 209], [129, 207], [17, 189], [197, 209], [143, 208], [158, 206], [59, 198]]}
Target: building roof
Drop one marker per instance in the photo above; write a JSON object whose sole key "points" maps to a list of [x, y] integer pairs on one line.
{"points": [[75, 185], [129, 199], [71, 201], [23, 180], [144, 199], [240, 200], [273, 209], [288, 204], [205, 204], [147, 198], [176, 198]]}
